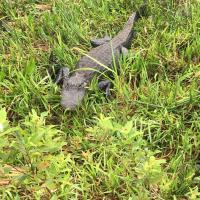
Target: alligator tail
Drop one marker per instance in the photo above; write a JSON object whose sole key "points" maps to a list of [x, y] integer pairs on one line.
{"points": [[136, 15]]}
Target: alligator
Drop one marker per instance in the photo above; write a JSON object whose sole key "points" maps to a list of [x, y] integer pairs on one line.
{"points": [[105, 52]]}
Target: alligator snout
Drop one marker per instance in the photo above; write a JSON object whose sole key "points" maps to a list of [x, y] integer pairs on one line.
{"points": [[71, 98]]}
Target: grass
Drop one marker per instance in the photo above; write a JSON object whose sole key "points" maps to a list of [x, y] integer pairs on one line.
{"points": [[141, 144]]}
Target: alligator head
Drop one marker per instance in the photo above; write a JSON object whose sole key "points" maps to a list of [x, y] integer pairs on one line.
{"points": [[73, 91]]}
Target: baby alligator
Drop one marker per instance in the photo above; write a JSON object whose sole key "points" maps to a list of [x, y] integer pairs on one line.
{"points": [[102, 54]]}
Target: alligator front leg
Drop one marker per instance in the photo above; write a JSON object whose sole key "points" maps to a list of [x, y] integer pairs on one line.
{"points": [[105, 85], [62, 74], [97, 42]]}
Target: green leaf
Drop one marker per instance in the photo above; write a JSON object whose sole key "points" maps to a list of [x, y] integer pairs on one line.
{"points": [[30, 67], [105, 122], [127, 128], [3, 119]]}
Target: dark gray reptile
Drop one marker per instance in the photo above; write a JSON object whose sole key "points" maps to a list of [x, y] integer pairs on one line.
{"points": [[104, 51]]}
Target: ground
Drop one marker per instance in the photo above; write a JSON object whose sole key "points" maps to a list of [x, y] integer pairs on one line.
{"points": [[142, 143]]}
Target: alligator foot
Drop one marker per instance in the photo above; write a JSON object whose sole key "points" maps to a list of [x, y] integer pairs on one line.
{"points": [[62, 74], [97, 42], [105, 85]]}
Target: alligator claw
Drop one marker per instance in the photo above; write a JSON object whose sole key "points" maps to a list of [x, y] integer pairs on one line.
{"points": [[106, 84], [97, 42], [62, 74]]}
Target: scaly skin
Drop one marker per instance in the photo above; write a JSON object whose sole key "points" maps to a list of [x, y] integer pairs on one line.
{"points": [[73, 90]]}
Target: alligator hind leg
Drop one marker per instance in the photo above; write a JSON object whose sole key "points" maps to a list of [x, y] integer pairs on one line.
{"points": [[97, 42], [62, 74], [105, 85]]}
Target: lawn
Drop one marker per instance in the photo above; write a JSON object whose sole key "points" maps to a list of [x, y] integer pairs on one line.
{"points": [[142, 143]]}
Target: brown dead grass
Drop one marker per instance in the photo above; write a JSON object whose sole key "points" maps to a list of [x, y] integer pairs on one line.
{"points": [[6, 177], [43, 7]]}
